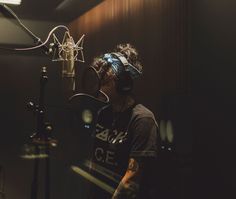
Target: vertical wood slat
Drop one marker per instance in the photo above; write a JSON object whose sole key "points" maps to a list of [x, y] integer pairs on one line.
{"points": [[158, 28]]}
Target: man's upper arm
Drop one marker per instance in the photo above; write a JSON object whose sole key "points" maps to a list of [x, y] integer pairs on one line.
{"points": [[143, 149], [144, 138]]}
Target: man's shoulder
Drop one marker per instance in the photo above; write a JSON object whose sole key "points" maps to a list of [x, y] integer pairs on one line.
{"points": [[140, 111]]}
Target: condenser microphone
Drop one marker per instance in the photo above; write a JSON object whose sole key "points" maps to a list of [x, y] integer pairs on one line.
{"points": [[68, 64]]}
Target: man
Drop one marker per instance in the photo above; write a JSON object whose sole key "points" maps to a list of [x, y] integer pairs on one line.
{"points": [[125, 141]]}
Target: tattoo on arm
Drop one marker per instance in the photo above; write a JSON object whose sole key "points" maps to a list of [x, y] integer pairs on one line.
{"points": [[126, 191], [129, 185], [133, 165]]}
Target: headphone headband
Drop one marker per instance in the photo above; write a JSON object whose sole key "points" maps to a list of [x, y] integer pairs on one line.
{"points": [[120, 64]]}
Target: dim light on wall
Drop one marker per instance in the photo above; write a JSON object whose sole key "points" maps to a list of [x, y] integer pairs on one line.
{"points": [[13, 2], [169, 131], [109, 11]]}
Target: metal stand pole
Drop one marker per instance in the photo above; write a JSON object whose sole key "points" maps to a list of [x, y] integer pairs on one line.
{"points": [[41, 140]]}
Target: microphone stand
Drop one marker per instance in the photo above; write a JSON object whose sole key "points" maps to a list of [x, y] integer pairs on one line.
{"points": [[41, 139]]}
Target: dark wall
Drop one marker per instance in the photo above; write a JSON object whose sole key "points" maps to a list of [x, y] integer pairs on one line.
{"points": [[159, 30], [213, 75], [19, 83]]}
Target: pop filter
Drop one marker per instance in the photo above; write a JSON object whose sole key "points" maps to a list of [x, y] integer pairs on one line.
{"points": [[90, 82]]}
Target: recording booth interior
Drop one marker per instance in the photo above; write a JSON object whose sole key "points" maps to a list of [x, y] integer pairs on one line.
{"points": [[182, 44]]}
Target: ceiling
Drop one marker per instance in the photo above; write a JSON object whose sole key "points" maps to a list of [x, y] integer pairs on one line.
{"points": [[53, 10]]}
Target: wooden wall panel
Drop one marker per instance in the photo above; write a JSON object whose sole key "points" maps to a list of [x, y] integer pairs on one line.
{"points": [[159, 30]]}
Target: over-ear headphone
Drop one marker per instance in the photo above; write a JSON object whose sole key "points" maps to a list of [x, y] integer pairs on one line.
{"points": [[124, 71]]}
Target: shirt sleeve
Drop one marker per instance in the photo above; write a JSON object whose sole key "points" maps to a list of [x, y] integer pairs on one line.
{"points": [[144, 138]]}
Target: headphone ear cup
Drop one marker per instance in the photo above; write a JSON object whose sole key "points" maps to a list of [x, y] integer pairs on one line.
{"points": [[124, 84]]}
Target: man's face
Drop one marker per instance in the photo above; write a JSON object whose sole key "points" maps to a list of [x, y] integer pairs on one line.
{"points": [[109, 87]]}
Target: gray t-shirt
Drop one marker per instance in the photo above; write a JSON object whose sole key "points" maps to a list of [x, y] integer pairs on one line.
{"points": [[117, 138]]}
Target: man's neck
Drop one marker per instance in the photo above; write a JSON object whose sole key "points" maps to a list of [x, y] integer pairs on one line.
{"points": [[122, 103]]}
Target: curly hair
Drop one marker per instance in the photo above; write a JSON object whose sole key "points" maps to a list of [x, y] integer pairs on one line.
{"points": [[130, 53]]}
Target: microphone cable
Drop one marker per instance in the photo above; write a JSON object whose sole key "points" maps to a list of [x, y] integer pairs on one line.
{"points": [[36, 38]]}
